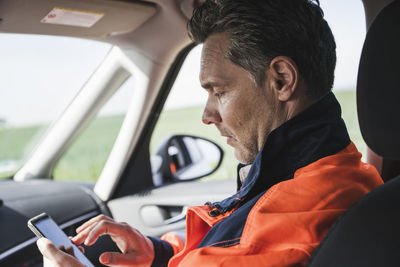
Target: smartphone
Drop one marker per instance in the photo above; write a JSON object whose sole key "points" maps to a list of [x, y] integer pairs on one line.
{"points": [[44, 226]]}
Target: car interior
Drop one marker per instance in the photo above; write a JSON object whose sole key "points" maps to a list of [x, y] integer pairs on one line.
{"points": [[151, 192]]}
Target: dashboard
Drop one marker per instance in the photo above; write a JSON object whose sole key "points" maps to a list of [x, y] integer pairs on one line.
{"points": [[68, 203]]}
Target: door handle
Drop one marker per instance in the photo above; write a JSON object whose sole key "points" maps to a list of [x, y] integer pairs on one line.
{"points": [[177, 218], [157, 216]]}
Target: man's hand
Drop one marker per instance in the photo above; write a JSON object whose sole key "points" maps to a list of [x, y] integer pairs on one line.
{"points": [[53, 257], [137, 250]]}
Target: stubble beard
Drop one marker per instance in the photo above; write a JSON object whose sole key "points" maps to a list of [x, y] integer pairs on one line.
{"points": [[246, 152]]}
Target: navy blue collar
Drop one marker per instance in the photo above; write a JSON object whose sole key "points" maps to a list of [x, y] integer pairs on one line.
{"points": [[317, 132]]}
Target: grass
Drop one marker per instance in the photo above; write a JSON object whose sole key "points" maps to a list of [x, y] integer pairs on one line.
{"points": [[85, 159], [87, 156]]}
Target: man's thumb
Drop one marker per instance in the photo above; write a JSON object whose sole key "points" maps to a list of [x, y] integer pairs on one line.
{"points": [[47, 248]]}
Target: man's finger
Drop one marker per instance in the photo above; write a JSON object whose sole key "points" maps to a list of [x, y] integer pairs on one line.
{"points": [[82, 249], [85, 228], [70, 250], [96, 219], [81, 237], [116, 258], [104, 228]]}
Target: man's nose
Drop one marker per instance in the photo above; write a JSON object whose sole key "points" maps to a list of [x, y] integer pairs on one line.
{"points": [[211, 114]]}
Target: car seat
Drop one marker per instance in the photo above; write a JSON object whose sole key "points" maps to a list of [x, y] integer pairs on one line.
{"points": [[368, 234]]}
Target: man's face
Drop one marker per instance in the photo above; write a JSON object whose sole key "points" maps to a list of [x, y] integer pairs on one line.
{"points": [[242, 111]]}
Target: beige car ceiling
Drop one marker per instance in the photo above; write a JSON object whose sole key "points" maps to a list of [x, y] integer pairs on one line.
{"points": [[156, 29], [25, 16]]}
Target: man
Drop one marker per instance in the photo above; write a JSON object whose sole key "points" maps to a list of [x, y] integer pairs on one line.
{"points": [[267, 66]]}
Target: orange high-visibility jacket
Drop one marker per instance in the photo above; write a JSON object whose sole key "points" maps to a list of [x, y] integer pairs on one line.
{"points": [[288, 219]]}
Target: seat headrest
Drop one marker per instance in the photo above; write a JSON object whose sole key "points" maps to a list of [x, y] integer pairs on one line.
{"points": [[378, 84]]}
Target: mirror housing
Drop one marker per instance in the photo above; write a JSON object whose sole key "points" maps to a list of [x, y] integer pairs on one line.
{"points": [[185, 158]]}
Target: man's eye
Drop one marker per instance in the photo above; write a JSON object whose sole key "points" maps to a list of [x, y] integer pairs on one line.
{"points": [[218, 95]]}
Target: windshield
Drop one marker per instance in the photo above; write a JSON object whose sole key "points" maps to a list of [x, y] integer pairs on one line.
{"points": [[40, 75]]}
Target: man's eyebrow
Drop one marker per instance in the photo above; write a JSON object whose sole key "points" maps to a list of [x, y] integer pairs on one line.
{"points": [[213, 82], [207, 85]]}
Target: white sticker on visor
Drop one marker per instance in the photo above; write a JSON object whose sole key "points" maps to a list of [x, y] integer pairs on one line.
{"points": [[72, 17]]}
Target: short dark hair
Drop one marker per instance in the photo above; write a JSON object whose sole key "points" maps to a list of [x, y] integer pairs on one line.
{"points": [[260, 30]]}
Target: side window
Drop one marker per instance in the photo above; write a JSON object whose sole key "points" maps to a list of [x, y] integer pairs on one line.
{"points": [[86, 157], [347, 100], [349, 32], [182, 114]]}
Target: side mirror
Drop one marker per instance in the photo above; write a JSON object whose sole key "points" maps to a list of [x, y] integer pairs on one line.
{"points": [[185, 158]]}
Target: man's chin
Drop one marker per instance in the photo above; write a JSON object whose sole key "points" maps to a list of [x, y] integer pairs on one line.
{"points": [[243, 157]]}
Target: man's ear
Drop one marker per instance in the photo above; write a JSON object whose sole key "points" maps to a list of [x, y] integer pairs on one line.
{"points": [[284, 77]]}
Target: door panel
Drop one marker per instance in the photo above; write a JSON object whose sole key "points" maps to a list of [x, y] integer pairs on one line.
{"points": [[163, 209]]}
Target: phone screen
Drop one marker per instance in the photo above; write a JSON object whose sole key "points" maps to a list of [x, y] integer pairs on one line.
{"points": [[49, 229]]}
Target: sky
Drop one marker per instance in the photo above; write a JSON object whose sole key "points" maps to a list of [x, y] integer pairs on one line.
{"points": [[347, 21], [40, 75]]}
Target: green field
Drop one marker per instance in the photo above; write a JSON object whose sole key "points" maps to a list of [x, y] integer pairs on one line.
{"points": [[86, 157]]}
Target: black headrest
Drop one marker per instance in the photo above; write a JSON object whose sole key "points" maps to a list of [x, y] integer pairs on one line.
{"points": [[378, 85]]}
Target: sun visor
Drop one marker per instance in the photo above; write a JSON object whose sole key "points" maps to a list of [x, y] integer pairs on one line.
{"points": [[78, 18], [378, 85]]}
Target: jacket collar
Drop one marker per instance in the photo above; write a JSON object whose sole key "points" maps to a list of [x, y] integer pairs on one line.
{"points": [[317, 132]]}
